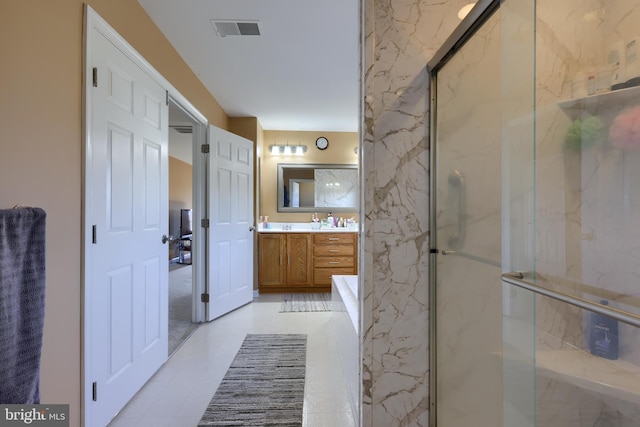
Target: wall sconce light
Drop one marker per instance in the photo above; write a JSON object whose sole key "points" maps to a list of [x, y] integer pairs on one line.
{"points": [[287, 150]]}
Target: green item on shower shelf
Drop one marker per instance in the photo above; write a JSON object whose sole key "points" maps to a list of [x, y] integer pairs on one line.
{"points": [[584, 133]]}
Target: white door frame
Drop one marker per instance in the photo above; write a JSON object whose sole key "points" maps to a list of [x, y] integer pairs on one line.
{"points": [[93, 21]]}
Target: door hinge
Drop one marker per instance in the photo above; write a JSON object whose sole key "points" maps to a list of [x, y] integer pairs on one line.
{"points": [[95, 76], [95, 391], [204, 223], [205, 148], [94, 234], [204, 297], [166, 97]]}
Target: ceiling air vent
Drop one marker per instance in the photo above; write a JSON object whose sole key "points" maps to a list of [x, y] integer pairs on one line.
{"points": [[236, 28]]}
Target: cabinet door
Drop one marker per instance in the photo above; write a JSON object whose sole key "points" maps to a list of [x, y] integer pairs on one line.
{"points": [[299, 271], [271, 250]]}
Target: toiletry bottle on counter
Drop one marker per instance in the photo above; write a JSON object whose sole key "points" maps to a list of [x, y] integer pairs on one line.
{"points": [[603, 339], [330, 220]]}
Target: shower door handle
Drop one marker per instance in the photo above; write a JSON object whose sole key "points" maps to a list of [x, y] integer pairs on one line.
{"points": [[456, 181]]}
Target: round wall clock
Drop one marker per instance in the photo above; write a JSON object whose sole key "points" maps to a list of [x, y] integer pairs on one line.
{"points": [[322, 143]]}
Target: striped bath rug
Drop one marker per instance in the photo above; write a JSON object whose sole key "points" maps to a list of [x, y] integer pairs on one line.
{"points": [[264, 385], [292, 303]]}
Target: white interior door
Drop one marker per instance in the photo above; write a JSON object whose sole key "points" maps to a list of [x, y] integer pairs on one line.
{"points": [[231, 220], [295, 194], [126, 212]]}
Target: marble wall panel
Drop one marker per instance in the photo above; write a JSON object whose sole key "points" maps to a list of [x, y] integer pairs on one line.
{"points": [[400, 37]]}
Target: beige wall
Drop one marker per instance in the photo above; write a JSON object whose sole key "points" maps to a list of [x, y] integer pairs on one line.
{"points": [[180, 197], [341, 145], [41, 149]]}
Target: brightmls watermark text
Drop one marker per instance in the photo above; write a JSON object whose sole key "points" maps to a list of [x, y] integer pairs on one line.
{"points": [[34, 415]]}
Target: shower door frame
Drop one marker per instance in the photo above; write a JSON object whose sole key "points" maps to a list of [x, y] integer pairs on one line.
{"points": [[463, 32]]}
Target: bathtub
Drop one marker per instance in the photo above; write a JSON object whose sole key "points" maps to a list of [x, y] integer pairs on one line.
{"points": [[345, 318]]}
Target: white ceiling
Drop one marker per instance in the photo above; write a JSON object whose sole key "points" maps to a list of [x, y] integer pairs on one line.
{"points": [[302, 73]]}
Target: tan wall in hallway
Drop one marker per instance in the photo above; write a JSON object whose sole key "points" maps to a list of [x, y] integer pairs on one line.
{"points": [[180, 197], [41, 149]]}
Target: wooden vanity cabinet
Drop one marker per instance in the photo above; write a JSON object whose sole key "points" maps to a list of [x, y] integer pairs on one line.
{"points": [[298, 268], [284, 262], [304, 262], [271, 252], [333, 254]]}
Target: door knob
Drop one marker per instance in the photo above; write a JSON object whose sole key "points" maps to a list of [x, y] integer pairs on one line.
{"points": [[252, 228], [166, 239]]}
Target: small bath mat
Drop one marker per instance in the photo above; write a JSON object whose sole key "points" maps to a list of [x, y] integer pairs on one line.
{"points": [[292, 303]]}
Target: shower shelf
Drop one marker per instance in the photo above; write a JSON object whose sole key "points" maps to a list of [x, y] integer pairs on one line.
{"points": [[618, 379], [615, 378], [592, 103]]}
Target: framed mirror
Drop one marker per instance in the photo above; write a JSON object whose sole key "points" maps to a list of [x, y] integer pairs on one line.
{"points": [[312, 187]]}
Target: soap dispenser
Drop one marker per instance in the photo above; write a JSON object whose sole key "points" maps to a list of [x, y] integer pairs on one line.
{"points": [[603, 340]]}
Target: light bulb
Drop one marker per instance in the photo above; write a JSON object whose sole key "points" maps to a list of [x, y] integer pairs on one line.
{"points": [[464, 10]]}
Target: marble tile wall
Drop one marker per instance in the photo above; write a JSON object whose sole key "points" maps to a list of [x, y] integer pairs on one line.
{"points": [[399, 38]]}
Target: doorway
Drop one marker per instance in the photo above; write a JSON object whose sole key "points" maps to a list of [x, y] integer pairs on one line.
{"points": [[182, 319]]}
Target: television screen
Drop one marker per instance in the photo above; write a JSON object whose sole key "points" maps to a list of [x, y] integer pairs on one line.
{"points": [[186, 227]]}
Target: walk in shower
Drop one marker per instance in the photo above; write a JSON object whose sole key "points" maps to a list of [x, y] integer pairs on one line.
{"points": [[535, 132]]}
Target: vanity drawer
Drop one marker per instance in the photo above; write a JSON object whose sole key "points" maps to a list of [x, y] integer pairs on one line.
{"points": [[333, 250], [334, 238], [322, 276], [329, 261]]}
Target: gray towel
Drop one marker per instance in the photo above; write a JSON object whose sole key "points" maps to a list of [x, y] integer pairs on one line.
{"points": [[22, 282]]}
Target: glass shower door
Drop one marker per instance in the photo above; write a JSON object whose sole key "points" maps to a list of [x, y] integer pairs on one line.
{"points": [[571, 213], [468, 234]]}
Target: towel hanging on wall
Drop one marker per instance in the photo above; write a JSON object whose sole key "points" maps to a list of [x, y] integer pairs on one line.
{"points": [[22, 291]]}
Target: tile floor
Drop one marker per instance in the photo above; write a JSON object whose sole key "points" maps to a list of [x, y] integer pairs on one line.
{"points": [[179, 392]]}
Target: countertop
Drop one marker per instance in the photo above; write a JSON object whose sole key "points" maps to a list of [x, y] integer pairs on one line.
{"points": [[304, 227]]}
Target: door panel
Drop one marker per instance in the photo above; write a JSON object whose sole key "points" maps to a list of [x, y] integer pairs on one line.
{"points": [[271, 248], [127, 173], [299, 261], [230, 236], [468, 235]]}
